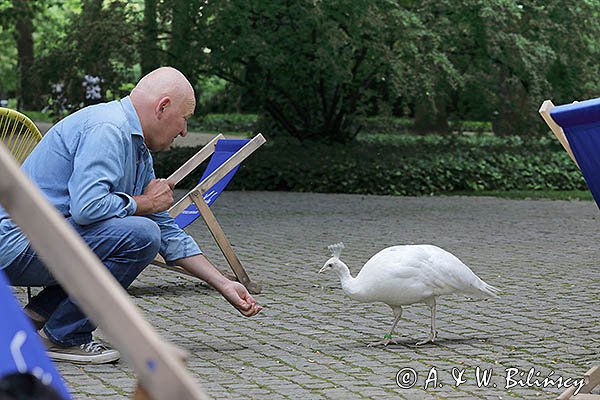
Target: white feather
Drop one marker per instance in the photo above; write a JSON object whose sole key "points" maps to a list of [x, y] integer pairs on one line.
{"points": [[336, 249]]}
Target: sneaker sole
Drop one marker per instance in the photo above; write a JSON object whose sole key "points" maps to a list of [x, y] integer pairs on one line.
{"points": [[79, 359]]}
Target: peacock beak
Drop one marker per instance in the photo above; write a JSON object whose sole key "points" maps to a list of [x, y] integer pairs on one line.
{"points": [[325, 268]]}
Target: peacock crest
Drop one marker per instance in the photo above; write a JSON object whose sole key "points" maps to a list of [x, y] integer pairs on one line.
{"points": [[336, 249]]}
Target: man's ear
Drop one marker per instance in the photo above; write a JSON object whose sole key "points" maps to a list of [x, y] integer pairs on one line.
{"points": [[161, 106]]}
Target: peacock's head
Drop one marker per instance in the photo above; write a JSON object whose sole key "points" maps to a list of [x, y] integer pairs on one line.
{"points": [[334, 262]]}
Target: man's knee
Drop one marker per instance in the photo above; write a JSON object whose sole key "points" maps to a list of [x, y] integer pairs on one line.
{"points": [[144, 234], [133, 238]]}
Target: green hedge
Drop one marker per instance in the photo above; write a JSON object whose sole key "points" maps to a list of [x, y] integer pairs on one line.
{"points": [[400, 165], [223, 123], [389, 125]]}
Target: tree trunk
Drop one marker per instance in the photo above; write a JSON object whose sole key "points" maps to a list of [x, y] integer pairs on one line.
{"points": [[515, 112], [148, 48], [180, 51], [431, 118], [27, 93]]}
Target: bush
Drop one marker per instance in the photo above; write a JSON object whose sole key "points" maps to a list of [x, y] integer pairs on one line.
{"points": [[393, 125], [400, 165], [223, 123]]}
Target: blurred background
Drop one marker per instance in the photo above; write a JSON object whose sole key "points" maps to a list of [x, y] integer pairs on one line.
{"points": [[394, 97]]}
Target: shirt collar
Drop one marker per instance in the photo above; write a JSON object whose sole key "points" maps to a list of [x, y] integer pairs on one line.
{"points": [[132, 117]]}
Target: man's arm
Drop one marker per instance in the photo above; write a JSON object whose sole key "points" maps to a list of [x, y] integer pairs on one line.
{"points": [[98, 164], [234, 292], [157, 197]]}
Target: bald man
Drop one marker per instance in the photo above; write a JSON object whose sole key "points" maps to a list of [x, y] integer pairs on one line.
{"points": [[95, 166]]}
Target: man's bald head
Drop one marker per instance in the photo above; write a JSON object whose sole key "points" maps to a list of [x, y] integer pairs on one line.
{"points": [[163, 100], [166, 81]]}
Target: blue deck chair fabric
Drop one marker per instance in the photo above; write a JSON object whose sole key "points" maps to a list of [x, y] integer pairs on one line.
{"points": [[581, 124], [21, 350], [224, 149]]}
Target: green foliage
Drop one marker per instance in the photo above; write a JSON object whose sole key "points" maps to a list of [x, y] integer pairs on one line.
{"points": [[93, 39], [311, 66], [393, 125], [223, 123], [400, 165], [8, 63], [501, 59], [317, 69]]}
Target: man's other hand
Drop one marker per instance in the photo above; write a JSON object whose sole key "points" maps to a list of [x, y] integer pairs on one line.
{"points": [[158, 196]]}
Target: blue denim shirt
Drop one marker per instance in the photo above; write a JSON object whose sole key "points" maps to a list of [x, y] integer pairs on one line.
{"points": [[89, 166]]}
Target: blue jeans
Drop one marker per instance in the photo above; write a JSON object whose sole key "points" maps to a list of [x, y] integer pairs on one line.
{"points": [[124, 245]]}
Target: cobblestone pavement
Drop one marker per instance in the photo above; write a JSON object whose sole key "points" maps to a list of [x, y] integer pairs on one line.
{"points": [[310, 340]]}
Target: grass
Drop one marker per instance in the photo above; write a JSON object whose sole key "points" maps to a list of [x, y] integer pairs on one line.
{"points": [[583, 195], [38, 116]]}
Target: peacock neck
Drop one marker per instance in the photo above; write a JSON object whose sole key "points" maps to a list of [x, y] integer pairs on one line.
{"points": [[350, 285]]}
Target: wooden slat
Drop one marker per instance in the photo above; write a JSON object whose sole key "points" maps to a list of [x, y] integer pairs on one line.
{"points": [[195, 160], [545, 110], [591, 379], [96, 291], [223, 243], [219, 173]]}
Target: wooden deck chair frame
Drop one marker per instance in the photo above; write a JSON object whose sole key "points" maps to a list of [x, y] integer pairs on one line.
{"points": [[158, 365], [196, 196], [545, 111], [591, 379]]}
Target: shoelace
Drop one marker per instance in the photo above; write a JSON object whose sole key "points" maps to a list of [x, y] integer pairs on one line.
{"points": [[93, 347]]}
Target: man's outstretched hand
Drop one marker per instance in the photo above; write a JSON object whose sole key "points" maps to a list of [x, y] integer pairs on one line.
{"points": [[236, 294]]}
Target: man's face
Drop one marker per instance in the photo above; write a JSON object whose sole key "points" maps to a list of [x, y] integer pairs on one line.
{"points": [[171, 124]]}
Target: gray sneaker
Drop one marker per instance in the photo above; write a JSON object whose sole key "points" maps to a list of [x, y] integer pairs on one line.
{"points": [[94, 352]]}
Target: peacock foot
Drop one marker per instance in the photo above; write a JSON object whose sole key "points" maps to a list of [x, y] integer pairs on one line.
{"points": [[387, 339], [422, 342], [430, 339]]}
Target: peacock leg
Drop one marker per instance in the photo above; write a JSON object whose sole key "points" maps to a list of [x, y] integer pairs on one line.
{"points": [[387, 339], [433, 332]]}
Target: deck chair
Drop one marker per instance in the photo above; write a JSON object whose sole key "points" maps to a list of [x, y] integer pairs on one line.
{"points": [[577, 127], [227, 154], [591, 379], [22, 353], [20, 136], [18, 133], [158, 365]]}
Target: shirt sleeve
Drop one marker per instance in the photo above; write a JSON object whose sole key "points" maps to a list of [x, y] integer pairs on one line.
{"points": [[98, 165], [175, 243]]}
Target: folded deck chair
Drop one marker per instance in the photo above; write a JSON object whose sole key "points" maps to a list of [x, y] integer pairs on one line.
{"points": [[22, 353], [577, 126], [227, 154], [158, 365]]}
